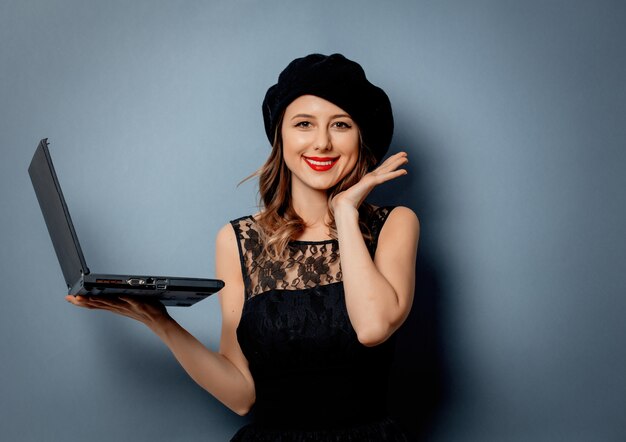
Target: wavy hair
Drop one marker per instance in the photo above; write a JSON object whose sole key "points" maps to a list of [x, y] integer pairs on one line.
{"points": [[278, 221]]}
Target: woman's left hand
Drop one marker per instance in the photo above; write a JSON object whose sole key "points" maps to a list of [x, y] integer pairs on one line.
{"points": [[355, 195]]}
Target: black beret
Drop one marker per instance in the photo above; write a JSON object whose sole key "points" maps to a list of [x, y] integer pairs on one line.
{"points": [[343, 83]]}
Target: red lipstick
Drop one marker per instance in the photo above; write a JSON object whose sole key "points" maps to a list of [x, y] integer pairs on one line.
{"points": [[321, 164]]}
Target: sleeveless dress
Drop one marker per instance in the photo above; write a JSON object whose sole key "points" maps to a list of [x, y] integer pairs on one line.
{"points": [[314, 380]]}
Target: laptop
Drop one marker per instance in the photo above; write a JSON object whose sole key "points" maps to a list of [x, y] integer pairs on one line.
{"points": [[170, 290]]}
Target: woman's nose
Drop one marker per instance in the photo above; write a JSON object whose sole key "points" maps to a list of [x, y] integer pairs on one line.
{"points": [[322, 140]]}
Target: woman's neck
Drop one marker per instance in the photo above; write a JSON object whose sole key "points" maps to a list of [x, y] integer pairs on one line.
{"points": [[312, 206]]}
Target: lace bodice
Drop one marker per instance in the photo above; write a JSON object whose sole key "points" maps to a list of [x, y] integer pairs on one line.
{"points": [[307, 264]]}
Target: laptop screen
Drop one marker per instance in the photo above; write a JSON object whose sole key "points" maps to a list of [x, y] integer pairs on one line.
{"points": [[56, 215]]}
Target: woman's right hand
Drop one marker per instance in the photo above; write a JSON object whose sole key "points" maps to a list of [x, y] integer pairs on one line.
{"points": [[148, 312]]}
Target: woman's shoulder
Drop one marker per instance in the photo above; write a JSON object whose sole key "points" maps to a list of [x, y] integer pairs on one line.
{"points": [[391, 208], [401, 220], [241, 221], [245, 218], [240, 228], [226, 235], [403, 212], [400, 212], [380, 215]]}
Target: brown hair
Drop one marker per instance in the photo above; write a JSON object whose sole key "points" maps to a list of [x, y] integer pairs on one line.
{"points": [[278, 220]]}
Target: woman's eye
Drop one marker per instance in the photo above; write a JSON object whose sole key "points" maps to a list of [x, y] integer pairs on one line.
{"points": [[304, 124], [342, 125]]}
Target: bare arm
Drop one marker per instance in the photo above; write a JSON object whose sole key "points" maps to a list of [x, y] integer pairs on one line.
{"points": [[379, 291], [224, 374]]}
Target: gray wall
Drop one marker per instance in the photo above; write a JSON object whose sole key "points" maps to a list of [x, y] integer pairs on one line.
{"points": [[514, 117]]}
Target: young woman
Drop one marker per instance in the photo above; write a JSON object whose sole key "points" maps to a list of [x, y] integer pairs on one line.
{"points": [[318, 281]]}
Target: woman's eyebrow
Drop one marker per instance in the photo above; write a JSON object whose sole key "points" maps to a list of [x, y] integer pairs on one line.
{"points": [[302, 116], [313, 116]]}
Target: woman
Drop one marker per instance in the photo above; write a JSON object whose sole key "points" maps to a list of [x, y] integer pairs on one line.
{"points": [[318, 281]]}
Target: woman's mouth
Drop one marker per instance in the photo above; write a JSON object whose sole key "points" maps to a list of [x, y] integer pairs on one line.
{"points": [[320, 164]]}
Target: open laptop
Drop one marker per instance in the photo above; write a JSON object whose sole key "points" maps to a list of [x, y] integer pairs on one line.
{"points": [[170, 290]]}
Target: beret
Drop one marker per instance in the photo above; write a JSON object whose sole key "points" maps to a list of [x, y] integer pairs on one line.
{"points": [[340, 81]]}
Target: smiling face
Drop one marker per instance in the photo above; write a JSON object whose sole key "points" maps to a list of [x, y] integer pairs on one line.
{"points": [[320, 143]]}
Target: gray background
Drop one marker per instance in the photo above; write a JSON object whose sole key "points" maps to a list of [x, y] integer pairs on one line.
{"points": [[513, 114]]}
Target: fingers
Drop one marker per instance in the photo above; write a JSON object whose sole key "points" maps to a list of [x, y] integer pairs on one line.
{"points": [[80, 301], [140, 310], [389, 169], [130, 302], [393, 162], [115, 305]]}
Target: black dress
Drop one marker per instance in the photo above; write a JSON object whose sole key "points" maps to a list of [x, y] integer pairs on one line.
{"points": [[314, 380]]}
